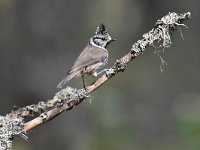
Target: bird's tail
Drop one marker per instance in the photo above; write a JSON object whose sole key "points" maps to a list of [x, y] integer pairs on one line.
{"points": [[66, 79]]}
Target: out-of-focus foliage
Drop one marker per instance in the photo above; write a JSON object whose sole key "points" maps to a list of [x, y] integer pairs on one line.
{"points": [[141, 108]]}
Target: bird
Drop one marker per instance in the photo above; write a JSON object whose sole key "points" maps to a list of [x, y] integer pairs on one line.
{"points": [[92, 57]]}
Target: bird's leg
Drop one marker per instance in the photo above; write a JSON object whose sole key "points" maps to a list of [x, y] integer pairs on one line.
{"points": [[83, 81], [95, 74]]}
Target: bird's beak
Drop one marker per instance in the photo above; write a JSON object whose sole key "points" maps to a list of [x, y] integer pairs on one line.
{"points": [[113, 40]]}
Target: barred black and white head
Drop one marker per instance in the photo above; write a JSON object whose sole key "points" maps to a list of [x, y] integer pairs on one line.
{"points": [[101, 38]]}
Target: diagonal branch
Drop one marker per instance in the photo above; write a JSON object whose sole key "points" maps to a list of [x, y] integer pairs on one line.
{"points": [[160, 34], [67, 98]]}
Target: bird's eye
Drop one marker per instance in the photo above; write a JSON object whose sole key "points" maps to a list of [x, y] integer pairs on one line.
{"points": [[103, 39]]}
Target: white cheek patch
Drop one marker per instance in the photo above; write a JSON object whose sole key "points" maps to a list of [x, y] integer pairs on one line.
{"points": [[94, 44]]}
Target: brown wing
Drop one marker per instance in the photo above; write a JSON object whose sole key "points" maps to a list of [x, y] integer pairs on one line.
{"points": [[89, 56]]}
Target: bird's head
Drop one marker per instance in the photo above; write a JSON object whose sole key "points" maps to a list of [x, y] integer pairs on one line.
{"points": [[101, 37]]}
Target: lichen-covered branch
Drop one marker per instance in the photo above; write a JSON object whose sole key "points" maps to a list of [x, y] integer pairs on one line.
{"points": [[65, 99]]}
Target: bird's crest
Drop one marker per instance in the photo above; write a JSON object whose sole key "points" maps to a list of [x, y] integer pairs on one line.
{"points": [[101, 30]]}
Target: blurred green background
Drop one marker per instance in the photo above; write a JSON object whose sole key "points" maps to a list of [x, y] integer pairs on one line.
{"points": [[141, 109]]}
